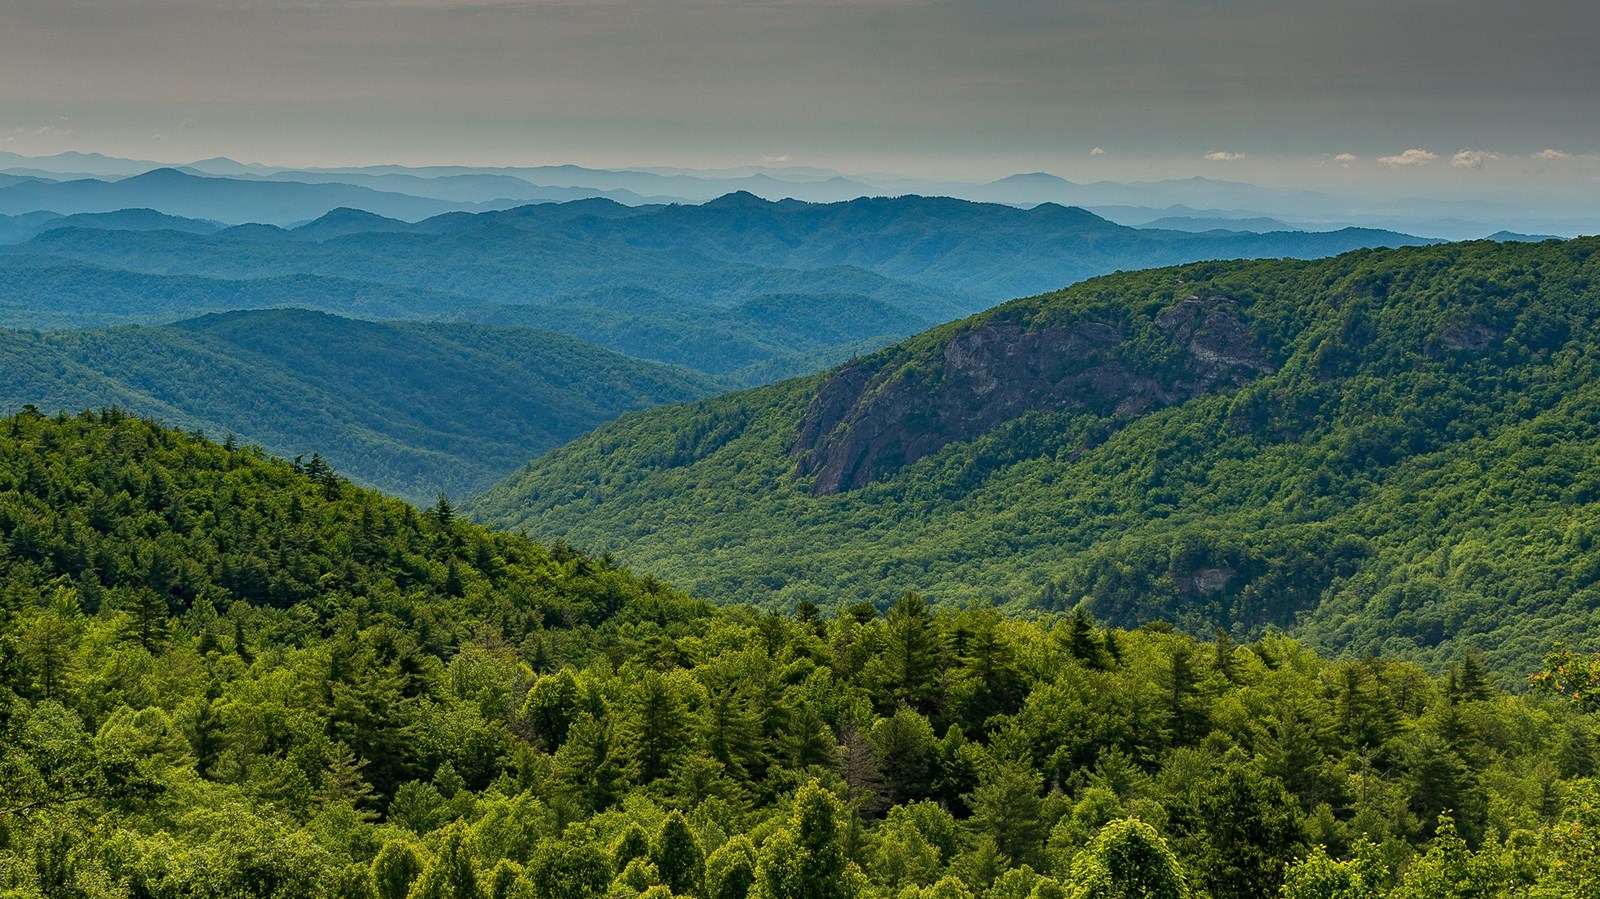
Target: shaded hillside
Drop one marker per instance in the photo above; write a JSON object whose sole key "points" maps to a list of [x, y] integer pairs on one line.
{"points": [[48, 294], [415, 408], [1391, 450]]}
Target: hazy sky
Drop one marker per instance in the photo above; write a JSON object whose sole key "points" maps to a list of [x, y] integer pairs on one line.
{"points": [[1422, 91]]}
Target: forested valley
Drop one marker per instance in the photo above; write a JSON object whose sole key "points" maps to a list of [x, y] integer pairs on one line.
{"points": [[227, 675]]}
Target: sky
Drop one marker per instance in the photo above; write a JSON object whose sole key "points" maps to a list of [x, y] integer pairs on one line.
{"points": [[1480, 97]]}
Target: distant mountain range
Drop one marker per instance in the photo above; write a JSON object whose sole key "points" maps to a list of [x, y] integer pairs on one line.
{"points": [[739, 287], [470, 187]]}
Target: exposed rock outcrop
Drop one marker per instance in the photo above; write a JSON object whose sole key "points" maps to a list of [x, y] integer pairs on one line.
{"points": [[873, 418]]}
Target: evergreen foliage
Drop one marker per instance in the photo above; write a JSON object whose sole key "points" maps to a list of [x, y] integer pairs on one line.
{"points": [[319, 707]]}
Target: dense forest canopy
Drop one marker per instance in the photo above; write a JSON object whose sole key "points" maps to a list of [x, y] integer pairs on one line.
{"points": [[1391, 451], [225, 675], [413, 408]]}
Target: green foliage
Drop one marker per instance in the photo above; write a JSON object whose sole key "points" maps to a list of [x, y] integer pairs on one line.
{"points": [[1411, 468], [317, 706], [410, 407], [1129, 860]]}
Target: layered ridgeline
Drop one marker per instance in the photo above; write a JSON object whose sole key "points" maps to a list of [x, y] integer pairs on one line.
{"points": [[415, 408], [225, 677], [724, 287], [1387, 451]]}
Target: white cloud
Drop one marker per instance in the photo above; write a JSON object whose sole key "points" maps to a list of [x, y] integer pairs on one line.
{"points": [[1413, 156], [1552, 154], [1472, 159], [781, 158], [1097, 152], [1224, 156], [1346, 158]]}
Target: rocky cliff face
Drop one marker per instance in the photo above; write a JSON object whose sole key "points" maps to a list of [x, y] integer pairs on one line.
{"points": [[873, 418]]}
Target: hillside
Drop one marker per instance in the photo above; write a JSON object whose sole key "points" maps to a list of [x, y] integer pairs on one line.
{"points": [[1387, 451], [229, 676], [415, 408]]}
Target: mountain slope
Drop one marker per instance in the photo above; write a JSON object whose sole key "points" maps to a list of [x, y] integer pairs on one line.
{"points": [[416, 408], [1389, 450], [49, 293], [227, 676]]}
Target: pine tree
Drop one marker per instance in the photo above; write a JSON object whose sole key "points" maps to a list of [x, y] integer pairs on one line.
{"points": [[907, 665]]}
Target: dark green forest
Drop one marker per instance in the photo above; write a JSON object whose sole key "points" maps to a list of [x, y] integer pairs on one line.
{"points": [[224, 675], [415, 408], [1402, 460]]}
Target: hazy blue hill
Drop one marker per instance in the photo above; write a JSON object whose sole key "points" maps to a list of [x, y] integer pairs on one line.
{"points": [[52, 294], [222, 199], [14, 228], [907, 262], [412, 407], [345, 221], [969, 252], [1255, 224], [1390, 450]]}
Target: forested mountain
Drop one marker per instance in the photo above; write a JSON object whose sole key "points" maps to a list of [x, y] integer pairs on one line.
{"points": [[739, 287], [1388, 451], [224, 676], [416, 408]]}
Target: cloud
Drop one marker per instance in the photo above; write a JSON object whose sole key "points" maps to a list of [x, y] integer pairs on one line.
{"points": [[1097, 152], [1413, 156], [1225, 156], [1346, 158], [61, 127], [1552, 154], [1472, 159], [780, 158]]}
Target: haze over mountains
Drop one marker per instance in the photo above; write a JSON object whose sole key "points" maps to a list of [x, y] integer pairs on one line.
{"points": [[735, 291], [235, 194]]}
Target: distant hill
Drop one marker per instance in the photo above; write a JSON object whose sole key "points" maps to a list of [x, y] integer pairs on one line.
{"points": [[414, 408], [853, 276], [1389, 450], [1258, 224], [230, 200]]}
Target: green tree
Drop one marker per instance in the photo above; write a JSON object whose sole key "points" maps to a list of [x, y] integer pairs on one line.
{"points": [[395, 868], [1128, 859], [562, 869], [678, 856], [731, 870], [806, 859]]}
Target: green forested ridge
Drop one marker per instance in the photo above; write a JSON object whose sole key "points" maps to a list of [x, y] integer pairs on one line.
{"points": [[416, 408], [222, 675], [1413, 470]]}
